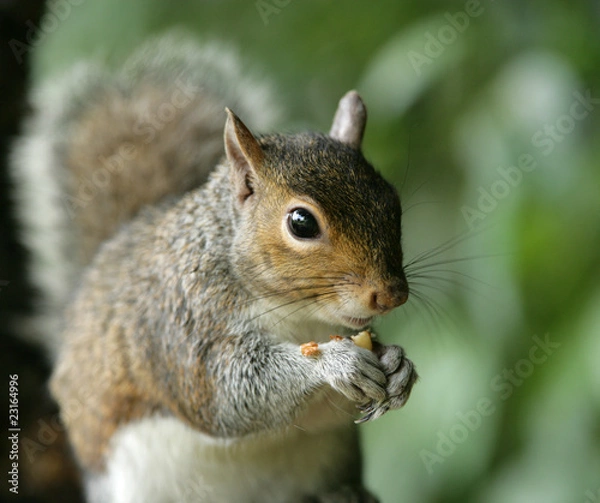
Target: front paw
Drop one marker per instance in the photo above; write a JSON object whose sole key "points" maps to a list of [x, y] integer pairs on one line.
{"points": [[401, 375], [353, 371]]}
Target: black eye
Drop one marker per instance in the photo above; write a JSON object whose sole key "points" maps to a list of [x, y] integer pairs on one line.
{"points": [[303, 224]]}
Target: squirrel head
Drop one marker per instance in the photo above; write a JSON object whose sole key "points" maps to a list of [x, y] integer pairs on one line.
{"points": [[317, 228]]}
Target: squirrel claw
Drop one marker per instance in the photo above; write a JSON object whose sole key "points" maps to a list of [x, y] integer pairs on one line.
{"points": [[363, 419], [365, 408], [374, 411]]}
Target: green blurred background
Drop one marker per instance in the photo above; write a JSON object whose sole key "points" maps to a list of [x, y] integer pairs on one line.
{"points": [[486, 117]]}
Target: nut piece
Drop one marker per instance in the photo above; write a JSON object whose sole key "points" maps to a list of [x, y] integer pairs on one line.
{"points": [[310, 349], [336, 338], [363, 340]]}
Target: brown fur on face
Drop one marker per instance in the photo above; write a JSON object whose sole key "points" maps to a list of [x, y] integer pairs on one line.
{"points": [[347, 196]]}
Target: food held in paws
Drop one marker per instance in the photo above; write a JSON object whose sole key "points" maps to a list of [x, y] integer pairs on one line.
{"points": [[363, 340], [310, 349]]}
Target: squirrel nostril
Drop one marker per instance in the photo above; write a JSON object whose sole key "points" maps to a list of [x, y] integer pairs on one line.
{"points": [[373, 300], [381, 301], [387, 299]]}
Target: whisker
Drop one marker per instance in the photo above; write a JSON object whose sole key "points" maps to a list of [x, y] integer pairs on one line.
{"points": [[456, 282], [420, 186], [322, 281], [445, 246], [449, 281], [317, 306], [419, 274], [314, 300], [291, 302], [277, 293], [435, 309], [436, 288], [412, 305], [414, 205], [259, 269], [414, 267], [425, 304]]}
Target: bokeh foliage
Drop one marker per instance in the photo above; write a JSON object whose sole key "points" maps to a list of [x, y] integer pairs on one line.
{"points": [[458, 93]]}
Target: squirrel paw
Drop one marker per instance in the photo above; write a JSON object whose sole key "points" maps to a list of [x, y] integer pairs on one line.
{"points": [[353, 371], [401, 375]]}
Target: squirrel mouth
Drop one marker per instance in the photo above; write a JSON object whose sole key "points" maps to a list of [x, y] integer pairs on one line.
{"points": [[357, 322]]}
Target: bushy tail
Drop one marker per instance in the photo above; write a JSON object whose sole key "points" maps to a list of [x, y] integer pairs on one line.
{"points": [[100, 145]]}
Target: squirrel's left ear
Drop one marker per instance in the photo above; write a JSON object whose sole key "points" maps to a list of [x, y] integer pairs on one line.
{"points": [[244, 155], [349, 120]]}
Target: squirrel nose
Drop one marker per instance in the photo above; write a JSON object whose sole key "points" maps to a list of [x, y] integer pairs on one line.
{"points": [[390, 295]]}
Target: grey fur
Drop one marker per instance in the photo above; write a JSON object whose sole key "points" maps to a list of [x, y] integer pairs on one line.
{"points": [[47, 191], [191, 303]]}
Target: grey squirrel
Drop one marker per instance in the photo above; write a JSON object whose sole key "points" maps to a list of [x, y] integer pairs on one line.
{"points": [[183, 268]]}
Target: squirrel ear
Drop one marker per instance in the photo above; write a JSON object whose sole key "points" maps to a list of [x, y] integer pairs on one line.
{"points": [[350, 120], [244, 155]]}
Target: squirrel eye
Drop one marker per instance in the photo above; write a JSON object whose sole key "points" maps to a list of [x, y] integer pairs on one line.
{"points": [[303, 224]]}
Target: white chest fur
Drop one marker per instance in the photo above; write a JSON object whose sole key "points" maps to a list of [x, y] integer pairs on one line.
{"points": [[161, 460]]}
